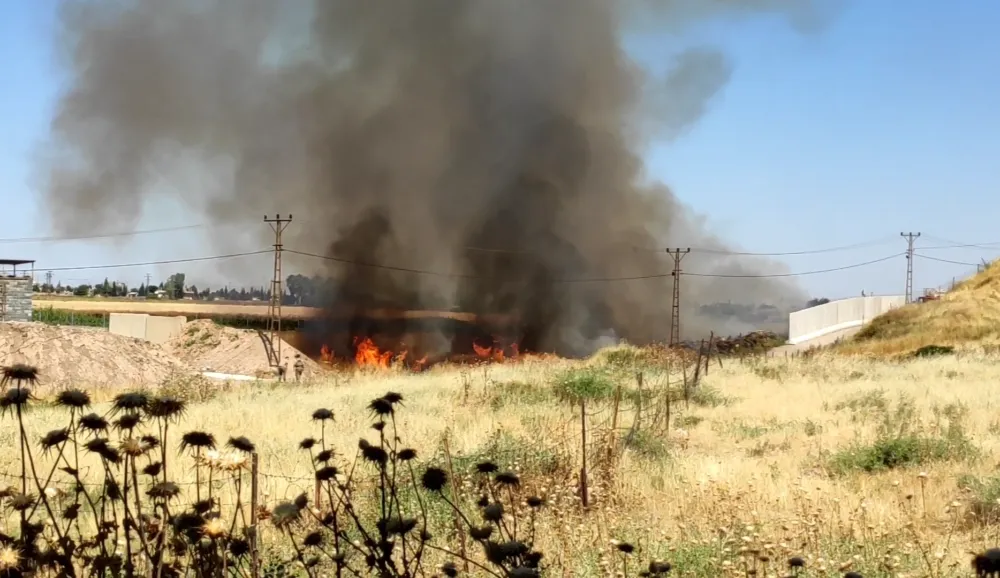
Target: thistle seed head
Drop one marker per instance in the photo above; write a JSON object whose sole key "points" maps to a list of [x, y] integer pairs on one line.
{"points": [[131, 402], [19, 373], [54, 438], [94, 423], [197, 440], [75, 398], [434, 479], [242, 444], [166, 407]]}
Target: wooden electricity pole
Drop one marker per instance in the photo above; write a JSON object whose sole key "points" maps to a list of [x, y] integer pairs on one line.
{"points": [[910, 238], [278, 225], [675, 308]]}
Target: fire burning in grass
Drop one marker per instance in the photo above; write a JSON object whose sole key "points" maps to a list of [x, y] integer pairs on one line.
{"points": [[367, 354], [415, 340]]}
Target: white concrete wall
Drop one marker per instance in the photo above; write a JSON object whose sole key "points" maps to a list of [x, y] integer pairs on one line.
{"points": [[153, 328], [160, 329], [838, 315], [128, 324]]}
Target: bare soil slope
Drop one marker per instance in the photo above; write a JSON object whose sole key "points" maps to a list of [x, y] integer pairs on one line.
{"points": [[208, 346], [84, 357]]}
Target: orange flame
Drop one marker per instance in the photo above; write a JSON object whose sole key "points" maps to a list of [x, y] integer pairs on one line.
{"points": [[369, 355], [325, 355], [494, 352]]}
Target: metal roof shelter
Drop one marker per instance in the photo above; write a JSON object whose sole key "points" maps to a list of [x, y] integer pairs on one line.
{"points": [[14, 263]]}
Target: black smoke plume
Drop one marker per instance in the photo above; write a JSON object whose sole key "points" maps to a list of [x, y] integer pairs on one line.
{"points": [[494, 144]]}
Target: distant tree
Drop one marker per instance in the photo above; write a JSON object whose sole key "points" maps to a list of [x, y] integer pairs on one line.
{"points": [[175, 285], [82, 290], [299, 287], [36, 288]]}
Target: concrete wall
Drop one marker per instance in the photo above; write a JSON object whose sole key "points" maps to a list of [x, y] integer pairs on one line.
{"points": [[128, 324], [15, 298], [161, 329], [152, 328], [838, 315]]}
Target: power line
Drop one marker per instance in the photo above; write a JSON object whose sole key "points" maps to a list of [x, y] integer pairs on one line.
{"points": [[164, 262], [946, 260], [791, 253], [991, 245], [594, 280], [53, 239], [951, 244], [801, 273], [717, 251]]}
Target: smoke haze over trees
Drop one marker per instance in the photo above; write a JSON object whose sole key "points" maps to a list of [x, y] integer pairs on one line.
{"points": [[496, 145]]}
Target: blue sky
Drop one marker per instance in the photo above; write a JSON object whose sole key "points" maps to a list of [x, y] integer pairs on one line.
{"points": [[883, 122]]}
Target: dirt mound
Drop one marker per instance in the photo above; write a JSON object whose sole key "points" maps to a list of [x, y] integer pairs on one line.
{"points": [[85, 357], [208, 346]]}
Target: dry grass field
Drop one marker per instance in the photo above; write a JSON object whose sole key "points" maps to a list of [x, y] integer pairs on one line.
{"points": [[188, 308], [885, 468]]}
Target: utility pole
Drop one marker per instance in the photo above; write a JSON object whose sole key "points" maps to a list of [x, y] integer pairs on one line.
{"points": [[910, 238], [48, 280], [675, 309], [278, 225]]}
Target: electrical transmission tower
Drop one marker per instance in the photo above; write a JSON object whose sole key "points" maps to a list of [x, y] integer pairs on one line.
{"points": [[910, 238], [675, 309], [48, 280], [278, 225]]}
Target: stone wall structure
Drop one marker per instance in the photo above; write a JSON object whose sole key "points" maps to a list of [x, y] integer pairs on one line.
{"points": [[15, 299]]}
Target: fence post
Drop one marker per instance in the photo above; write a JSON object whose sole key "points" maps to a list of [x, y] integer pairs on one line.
{"points": [[708, 354], [254, 492]]}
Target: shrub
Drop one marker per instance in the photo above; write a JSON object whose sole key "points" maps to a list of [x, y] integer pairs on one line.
{"points": [[934, 351], [709, 396], [583, 385], [985, 498], [507, 393], [900, 440], [647, 444]]}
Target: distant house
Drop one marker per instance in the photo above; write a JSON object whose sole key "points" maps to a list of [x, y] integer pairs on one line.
{"points": [[160, 294], [131, 295]]}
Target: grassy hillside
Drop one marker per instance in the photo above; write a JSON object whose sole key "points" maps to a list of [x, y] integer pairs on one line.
{"points": [[968, 314]]}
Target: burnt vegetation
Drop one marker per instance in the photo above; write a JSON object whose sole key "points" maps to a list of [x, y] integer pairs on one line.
{"points": [[378, 510]]}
